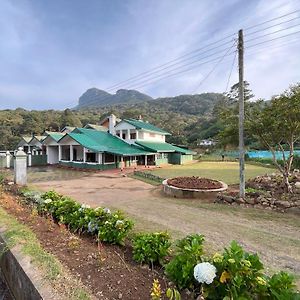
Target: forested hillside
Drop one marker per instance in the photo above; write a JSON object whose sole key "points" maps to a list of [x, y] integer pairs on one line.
{"points": [[187, 117]]}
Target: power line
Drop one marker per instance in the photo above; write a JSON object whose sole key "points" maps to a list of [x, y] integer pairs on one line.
{"points": [[271, 20], [168, 65], [151, 74], [183, 71], [229, 77], [277, 24], [197, 50], [171, 61], [270, 33], [187, 64], [213, 69], [274, 39], [138, 78]]}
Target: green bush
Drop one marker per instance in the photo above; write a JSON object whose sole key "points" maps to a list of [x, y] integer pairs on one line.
{"points": [[188, 253], [115, 229], [296, 162], [100, 222], [2, 177], [151, 248], [239, 275]]}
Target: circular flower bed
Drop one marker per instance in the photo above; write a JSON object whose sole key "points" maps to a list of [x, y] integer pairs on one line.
{"points": [[193, 187], [193, 182]]}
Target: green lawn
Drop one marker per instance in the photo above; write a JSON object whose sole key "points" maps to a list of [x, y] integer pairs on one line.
{"points": [[224, 171]]}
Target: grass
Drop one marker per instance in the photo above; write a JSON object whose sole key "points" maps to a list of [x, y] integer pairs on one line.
{"points": [[146, 180], [224, 171], [20, 235]]}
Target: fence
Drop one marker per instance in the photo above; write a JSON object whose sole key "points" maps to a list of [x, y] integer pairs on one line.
{"points": [[36, 160], [149, 176]]}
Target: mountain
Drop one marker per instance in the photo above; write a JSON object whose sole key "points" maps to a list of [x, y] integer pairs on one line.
{"points": [[98, 98]]}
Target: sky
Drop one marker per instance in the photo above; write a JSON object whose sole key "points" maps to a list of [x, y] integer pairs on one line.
{"points": [[52, 51]]}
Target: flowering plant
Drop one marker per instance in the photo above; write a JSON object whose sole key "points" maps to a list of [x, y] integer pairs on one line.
{"points": [[205, 272], [151, 248], [188, 253], [239, 275]]}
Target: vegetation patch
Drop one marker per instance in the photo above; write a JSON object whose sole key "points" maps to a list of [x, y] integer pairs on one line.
{"points": [[17, 234]]}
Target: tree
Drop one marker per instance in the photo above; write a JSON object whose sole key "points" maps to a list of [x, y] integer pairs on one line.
{"points": [[228, 113], [277, 126], [68, 118]]}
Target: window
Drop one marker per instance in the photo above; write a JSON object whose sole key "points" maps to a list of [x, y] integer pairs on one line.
{"points": [[133, 136], [91, 157], [159, 156], [118, 133], [124, 136], [109, 158]]}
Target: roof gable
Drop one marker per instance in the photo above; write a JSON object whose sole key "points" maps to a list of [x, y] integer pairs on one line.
{"points": [[95, 127], [139, 124]]}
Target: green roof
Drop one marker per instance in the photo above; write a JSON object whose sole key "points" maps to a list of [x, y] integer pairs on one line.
{"points": [[56, 135], [139, 124], [163, 147], [96, 127], [100, 141]]}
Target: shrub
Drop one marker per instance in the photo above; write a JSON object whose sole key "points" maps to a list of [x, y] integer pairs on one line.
{"points": [[106, 226], [239, 275], [115, 229], [296, 162], [151, 248], [188, 253]]}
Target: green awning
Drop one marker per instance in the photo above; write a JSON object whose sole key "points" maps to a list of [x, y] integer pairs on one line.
{"points": [[163, 147]]}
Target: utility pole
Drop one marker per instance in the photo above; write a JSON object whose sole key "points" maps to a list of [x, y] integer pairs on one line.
{"points": [[241, 113]]}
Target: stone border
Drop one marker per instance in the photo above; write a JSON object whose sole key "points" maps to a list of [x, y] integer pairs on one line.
{"points": [[22, 278], [191, 193]]}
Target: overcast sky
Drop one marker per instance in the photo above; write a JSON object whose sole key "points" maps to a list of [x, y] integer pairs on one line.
{"points": [[51, 51]]}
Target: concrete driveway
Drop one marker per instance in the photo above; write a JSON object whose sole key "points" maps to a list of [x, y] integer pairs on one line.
{"points": [[275, 236]]}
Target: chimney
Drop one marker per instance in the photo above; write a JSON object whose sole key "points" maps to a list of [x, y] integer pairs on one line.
{"points": [[112, 124]]}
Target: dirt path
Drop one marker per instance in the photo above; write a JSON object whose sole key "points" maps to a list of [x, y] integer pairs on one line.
{"points": [[275, 236]]}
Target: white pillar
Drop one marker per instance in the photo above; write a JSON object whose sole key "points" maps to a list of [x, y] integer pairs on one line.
{"points": [[29, 159], [128, 134], [8, 158], [100, 158], [122, 163], [145, 160], [84, 154], [71, 152], [47, 153], [20, 167], [59, 152]]}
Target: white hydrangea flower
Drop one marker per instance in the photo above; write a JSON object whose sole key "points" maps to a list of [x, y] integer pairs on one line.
{"points": [[119, 222], [205, 272], [85, 206], [107, 210], [47, 201]]}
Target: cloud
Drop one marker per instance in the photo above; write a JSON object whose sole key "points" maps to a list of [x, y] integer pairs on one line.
{"points": [[51, 53]]}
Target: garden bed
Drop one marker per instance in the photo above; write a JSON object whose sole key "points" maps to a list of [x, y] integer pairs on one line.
{"points": [[194, 182], [108, 271]]}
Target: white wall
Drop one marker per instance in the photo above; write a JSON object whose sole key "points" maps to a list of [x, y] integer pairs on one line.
{"points": [[124, 127], [152, 137], [79, 152], [52, 154]]}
